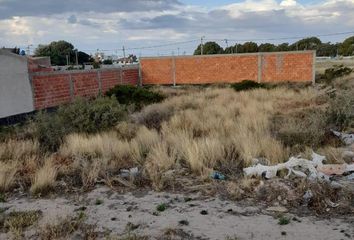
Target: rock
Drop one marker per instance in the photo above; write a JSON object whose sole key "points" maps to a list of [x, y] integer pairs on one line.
{"points": [[278, 209], [348, 156]]}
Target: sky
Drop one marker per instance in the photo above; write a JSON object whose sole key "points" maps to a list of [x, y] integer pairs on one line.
{"points": [[165, 27]]}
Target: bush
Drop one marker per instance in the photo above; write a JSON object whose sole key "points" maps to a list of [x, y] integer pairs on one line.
{"points": [[335, 72], [82, 116], [127, 94], [341, 111], [247, 85]]}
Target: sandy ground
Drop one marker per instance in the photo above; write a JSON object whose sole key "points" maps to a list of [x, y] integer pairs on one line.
{"points": [[221, 219]]}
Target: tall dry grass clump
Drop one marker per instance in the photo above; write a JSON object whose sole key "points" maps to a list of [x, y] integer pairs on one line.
{"points": [[44, 178], [7, 175]]}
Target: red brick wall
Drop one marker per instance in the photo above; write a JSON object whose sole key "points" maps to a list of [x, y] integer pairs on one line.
{"points": [[51, 89], [263, 67]]}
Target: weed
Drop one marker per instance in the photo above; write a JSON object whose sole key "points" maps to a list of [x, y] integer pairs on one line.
{"points": [[283, 220], [161, 207]]}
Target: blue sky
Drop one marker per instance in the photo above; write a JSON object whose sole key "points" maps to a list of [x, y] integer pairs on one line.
{"points": [[109, 25]]}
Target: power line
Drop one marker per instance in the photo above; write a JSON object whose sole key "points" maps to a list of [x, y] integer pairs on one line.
{"points": [[284, 38]]}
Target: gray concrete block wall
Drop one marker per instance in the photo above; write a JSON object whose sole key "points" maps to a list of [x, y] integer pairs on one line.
{"points": [[15, 88]]}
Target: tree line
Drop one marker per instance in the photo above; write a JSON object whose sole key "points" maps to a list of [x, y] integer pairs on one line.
{"points": [[61, 52], [346, 48]]}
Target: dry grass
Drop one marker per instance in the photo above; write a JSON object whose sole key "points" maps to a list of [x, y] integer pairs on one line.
{"points": [[215, 128], [7, 175], [16, 222], [44, 178], [202, 131]]}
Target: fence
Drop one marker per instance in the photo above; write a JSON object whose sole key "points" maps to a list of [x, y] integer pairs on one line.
{"points": [[296, 66], [51, 89]]}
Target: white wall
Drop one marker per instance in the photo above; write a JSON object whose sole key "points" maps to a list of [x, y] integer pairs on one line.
{"points": [[15, 88]]}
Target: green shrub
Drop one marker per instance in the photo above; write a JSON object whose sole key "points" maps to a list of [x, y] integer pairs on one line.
{"points": [[161, 207], [283, 220], [82, 116], [340, 114], [335, 72], [247, 85], [139, 96]]}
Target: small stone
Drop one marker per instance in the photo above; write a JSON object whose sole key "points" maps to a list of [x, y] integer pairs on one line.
{"points": [[204, 212]]}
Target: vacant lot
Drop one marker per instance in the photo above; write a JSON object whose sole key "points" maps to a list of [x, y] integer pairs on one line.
{"points": [[191, 144]]}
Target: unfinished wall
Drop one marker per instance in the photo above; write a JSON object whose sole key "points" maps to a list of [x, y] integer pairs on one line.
{"points": [[15, 90], [262, 67], [51, 89]]}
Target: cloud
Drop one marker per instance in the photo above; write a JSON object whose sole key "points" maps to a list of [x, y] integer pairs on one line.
{"points": [[72, 19], [110, 24], [9, 8]]}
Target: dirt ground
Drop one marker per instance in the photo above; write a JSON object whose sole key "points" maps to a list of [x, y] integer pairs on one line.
{"points": [[322, 65], [184, 217]]}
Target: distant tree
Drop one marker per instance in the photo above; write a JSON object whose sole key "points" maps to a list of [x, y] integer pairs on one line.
{"points": [[237, 48], [16, 50], [311, 43], [267, 47], [283, 47], [57, 51], [327, 49], [209, 48], [249, 47], [84, 58], [347, 47], [108, 62]]}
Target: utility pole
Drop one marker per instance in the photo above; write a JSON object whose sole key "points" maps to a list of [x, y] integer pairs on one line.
{"points": [[77, 59], [29, 49], [124, 55], [201, 45], [67, 60], [227, 43], [236, 46], [177, 51]]}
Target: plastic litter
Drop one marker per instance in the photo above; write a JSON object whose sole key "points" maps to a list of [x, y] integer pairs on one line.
{"points": [[348, 139], [126, 173], [217, 176], [300, 167]]}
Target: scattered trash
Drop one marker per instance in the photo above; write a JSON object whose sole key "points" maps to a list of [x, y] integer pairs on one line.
{"points": [[348, 156], [331, 204], [301, 167], [348, 139], [350, 177], [217, 176], [127, 173], [307, 197]]}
